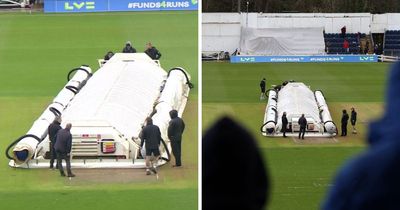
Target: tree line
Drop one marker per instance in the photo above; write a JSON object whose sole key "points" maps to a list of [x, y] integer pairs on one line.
{"points": [[306, 6]]}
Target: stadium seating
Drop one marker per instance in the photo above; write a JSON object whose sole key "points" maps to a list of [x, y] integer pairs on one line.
{"points": [[334, 43], [391, 44]]}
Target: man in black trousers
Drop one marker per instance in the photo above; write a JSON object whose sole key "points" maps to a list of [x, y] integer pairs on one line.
{"points": [[284, 124], [262, 87], [303, 124], [63, 149], [53, 128], [353, 119], [175, 130], [345, 119], [151, 138]]}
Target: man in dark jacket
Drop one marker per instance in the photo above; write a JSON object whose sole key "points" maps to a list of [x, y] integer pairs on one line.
{"points": [[63, 149], [303, 124], [262, 87], [175, 130], [343, 30], [353, 119], [345, 119], [284, 124], [53, 128], [128, 48], [151, 138], [108, 56], [152, 52]]}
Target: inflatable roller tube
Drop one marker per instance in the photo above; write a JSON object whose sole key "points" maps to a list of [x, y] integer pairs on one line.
{"points": [[323, 106], [84, 69], [64, 97], [80, 77], [23, 151], [330, 127], [73, 89], [47, 115], [187, 76], [271, 112], [56, 108], [25, 146], [39, 128], [271, 91], [268, 127]]}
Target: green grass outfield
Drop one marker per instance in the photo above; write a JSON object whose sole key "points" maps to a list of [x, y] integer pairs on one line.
{"points": [[36, 53], [301, 172]]}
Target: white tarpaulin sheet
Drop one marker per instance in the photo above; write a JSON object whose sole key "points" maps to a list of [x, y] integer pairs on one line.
{"points": [[121, 93], [282, 41]]}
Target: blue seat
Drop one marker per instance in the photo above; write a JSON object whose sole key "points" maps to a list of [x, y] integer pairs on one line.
{"points": [[392, 41], [392, 46]]}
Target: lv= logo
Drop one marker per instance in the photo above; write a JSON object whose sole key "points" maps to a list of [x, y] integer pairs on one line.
{"points": [[88, 5]]}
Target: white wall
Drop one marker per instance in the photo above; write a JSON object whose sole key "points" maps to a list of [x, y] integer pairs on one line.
{"points": [[379, 23], [221, 31], [393, 21], [354, 22]]}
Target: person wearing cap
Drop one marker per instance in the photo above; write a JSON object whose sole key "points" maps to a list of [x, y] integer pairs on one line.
{"points": [[152, 51], [151, 139], [53, 128], [128, 48], [175, 129]]}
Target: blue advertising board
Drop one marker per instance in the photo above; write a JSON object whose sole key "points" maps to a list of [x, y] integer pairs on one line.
{"points": [[306, 59], [118, 5]]}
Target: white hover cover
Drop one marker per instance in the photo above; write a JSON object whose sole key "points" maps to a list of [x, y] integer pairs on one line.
{"points": [[121, 93], [295, 99]]}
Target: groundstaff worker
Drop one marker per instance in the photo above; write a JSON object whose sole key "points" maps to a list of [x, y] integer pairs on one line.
{"points": [[152, 51], [53, 128], [353, 119], [284, 124], [151, 139], [345, 119], [175, 130], [128, 48], [63, 149], [262, 87], [303, 124]]}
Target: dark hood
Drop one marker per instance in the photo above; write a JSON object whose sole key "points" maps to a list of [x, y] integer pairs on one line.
{"points": [[234, 176], [388, 126], [173, 114]]}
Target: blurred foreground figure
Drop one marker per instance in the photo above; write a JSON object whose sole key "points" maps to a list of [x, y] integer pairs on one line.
{"points": [[234, 176], [371, 180]]}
